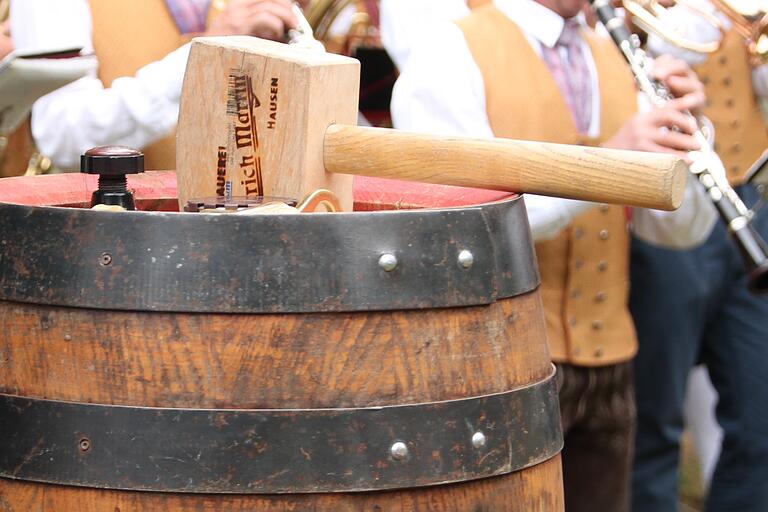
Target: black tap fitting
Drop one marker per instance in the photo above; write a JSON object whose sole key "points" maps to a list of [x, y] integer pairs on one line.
{"points": [[112, 164]]}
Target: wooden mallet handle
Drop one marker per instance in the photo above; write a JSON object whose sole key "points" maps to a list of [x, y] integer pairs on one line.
{"points": [[264, 118], [648, 180]]}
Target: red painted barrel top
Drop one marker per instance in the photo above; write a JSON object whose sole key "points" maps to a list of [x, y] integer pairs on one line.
{"points": [[157, 191]]}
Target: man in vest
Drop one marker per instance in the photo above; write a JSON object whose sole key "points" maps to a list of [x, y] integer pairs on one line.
{"points": [[140, 44], [692, 306], [528, 69]]}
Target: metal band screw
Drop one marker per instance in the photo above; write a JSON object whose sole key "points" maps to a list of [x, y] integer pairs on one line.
{"points": [[399, 450], [388, 262], [478, 440], [466, 259]]}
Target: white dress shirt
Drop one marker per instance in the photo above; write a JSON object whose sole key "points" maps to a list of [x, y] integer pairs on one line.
{"points": [[135, 111], [441, 90], [403, 22]]}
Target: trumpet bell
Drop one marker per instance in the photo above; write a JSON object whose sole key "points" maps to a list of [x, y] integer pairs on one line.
{"points": [[344, 25], [351, 27], [750, 20], [750, 9], [647, 14]]}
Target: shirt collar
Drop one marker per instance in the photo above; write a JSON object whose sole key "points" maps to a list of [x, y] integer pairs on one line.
{"points": [[538, 21]]}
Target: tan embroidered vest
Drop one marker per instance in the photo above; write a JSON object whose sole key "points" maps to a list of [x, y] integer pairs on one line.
{"points": [[740, 130], [584, 271], [127, 35]]}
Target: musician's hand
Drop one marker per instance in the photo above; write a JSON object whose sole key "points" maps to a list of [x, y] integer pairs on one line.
{"points": [[662, 130], [681, 81], [269, 19]]}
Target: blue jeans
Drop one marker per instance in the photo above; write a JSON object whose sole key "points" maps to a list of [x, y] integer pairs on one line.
{"points": [[692, 306]]}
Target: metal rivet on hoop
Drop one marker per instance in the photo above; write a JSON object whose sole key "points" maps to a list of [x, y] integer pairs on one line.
{"points": [[399, 450], [84, 444], [466, 259], [388, 262], [478, 440]]}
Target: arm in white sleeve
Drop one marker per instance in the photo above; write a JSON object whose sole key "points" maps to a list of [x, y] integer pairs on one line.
{"points": [[686, 227], [135, 111], [549, 216], [441, 91]]}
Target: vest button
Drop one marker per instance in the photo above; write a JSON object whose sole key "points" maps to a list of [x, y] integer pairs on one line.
{"points": [[735, 169], [723, 60], [578, 264], [604, 208], [578, 232], [598, 352], [704, 80], [573, 322], [603, 234], [736, 148], [601, 296], [735, 123], [729, 103], [575, 293], [597, 325], [602, 266], [727, 81]]}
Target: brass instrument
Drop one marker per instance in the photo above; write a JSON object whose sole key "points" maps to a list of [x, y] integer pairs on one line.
{"points": [[647, 13], [361, 32], [750, 20], [706, 164], [351, 27]]}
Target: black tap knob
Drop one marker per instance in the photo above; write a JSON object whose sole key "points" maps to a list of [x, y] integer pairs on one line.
{"points": [[112, 164]]}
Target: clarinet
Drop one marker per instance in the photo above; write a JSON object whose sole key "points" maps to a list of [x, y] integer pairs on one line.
{"points": [[706, 164]]}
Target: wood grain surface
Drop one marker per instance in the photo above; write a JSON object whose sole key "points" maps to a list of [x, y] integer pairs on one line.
{"points": [[253, 115], [279, 361], [271, 361], [602, 175], [534, 490]]}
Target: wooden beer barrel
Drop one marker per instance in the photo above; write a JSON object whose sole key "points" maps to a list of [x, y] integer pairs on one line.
{"points": [[387, 361]]}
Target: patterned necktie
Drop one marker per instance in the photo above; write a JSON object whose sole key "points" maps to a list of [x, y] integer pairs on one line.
{"points": [[568, 65], [190, 15]]}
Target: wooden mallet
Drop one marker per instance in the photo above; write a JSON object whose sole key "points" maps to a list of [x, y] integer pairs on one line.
{"points": [[265, 118]]}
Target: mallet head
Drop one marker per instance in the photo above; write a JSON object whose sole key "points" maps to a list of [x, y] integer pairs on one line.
{"points": [[253, 118]]}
